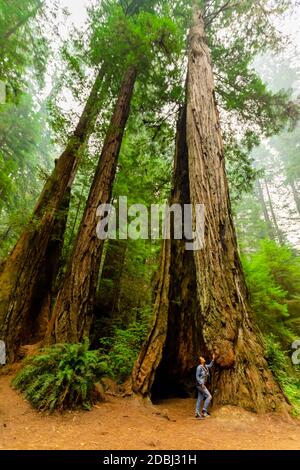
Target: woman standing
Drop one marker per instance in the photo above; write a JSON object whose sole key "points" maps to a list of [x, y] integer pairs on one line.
{"points": [[202, 374]]}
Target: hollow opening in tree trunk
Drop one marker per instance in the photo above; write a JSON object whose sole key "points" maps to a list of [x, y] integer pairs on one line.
{"points": [[175, 376], [170, 387]]}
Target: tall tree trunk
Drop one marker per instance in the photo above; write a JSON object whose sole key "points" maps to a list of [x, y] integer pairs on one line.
{"points": [[228, 328], [295, 195], [40, 311], [270, 228], [166, 364], [274, 218], [20, 273], [73, 311], [216, 312], [150, 357]]}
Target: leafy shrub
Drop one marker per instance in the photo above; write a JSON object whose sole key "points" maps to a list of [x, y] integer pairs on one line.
{"points": [[287, 375], [277, 359], [61, 376], [123, 349]]}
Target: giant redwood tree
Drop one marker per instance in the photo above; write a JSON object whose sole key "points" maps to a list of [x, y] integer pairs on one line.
{"points": [[201, 303]]}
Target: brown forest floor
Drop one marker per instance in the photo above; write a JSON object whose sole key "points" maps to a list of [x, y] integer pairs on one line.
{"points": [[126, 423]]}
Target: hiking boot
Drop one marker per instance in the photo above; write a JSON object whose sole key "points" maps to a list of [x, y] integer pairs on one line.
{"points": [[205, 414]]}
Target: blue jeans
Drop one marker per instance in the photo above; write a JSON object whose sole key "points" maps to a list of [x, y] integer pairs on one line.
{"points": [[203, 394]]}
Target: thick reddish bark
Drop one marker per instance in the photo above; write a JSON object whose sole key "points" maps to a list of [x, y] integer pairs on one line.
{"points": [[21, 272], [167, 361], [228, 327], [73, 311], [151, 354], [202, 302], [40, 310], [166, 364]]}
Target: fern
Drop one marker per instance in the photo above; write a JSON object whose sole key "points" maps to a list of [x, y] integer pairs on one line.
{"points": [[61, 376]]}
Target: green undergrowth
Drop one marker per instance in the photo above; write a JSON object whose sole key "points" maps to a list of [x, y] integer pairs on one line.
{"points": [[287, 374], [61, 377]]}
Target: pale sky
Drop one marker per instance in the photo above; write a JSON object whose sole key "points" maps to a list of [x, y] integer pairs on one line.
{"points": [[78, 17], [290, 24], [77, 8]]}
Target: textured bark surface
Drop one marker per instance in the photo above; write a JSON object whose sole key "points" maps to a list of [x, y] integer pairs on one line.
{"points": [[176, 372], [201, 304], [166, 363], [21, 272], [30, 14], [40, 310], [150, 357], [73, 311], [228, 328]]}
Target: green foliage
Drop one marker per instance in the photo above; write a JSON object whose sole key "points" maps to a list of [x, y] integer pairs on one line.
{"points": [[23, 143], [146, 159], [25, 159], [250, 110], [61, 377], [22, 42], [123, 348], [287, 375], [250, 223], [273, 277], [239, 163], [277, 359], [151, 35]]}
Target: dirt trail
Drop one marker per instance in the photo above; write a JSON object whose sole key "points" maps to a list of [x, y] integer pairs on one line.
{"points": [[125, 423]]}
